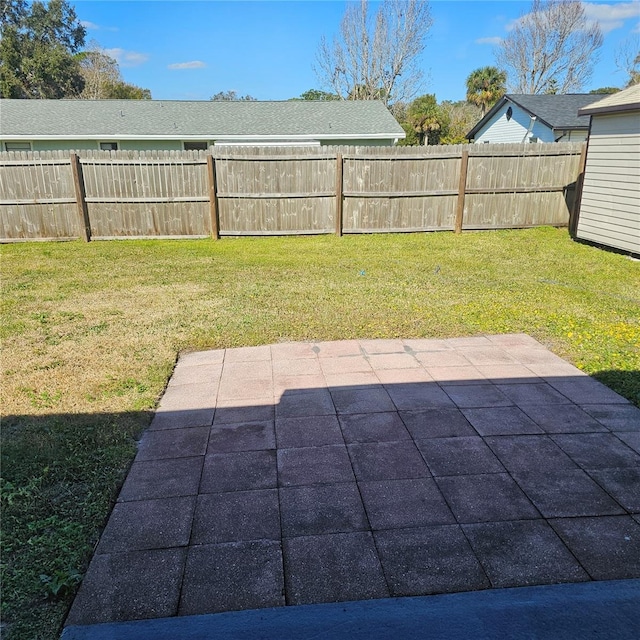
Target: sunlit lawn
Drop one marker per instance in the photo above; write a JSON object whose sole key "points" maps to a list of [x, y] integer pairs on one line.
{"points": [[90, 333]]}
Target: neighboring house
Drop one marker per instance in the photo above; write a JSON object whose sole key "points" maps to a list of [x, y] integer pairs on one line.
{"points": [[610, 203], [40, 125], [534, 118]]}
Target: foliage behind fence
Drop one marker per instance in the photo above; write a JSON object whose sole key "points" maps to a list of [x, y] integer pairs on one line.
{"points": [[285, 190]]}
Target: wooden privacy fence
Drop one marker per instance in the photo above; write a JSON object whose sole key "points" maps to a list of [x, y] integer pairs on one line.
{"points": [[285, 190]]}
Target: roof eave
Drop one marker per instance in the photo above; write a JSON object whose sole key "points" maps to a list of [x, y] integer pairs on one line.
{"points": [[571, 127], [210, 136], [618, 108]]}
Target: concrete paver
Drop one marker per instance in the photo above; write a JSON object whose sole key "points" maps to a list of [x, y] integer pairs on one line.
{"points": [[309, 473]]}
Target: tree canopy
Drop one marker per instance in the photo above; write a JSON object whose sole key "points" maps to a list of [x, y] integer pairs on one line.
{"points": [[37, 50], [425, 121], [317, 94], [550, 49], [231, 96], [103, 80], [485, 86]]}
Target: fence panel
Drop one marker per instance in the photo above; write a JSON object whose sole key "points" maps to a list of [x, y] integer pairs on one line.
{"points": [[399, 193], [285, 190], [275, 190], [531, 186], [37, 197], [146, 194]]}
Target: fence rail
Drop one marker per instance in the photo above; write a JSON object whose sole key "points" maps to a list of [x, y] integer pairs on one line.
{"points": [[277, 191]]}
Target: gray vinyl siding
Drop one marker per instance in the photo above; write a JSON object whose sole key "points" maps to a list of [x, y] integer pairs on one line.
{"points": [[167, 145], [123, 145], [610, 207], [63, 145], [576, 135]]}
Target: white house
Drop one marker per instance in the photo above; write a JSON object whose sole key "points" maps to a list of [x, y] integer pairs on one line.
{"points": [[534, 118], [610, 204], [43, 125]]}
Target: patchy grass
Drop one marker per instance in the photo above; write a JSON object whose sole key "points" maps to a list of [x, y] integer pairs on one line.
{"points": [[90, 334]]}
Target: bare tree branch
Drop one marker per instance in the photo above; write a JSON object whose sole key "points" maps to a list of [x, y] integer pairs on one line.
{"points": [[627, 59], [375, 57], [553, 46]]}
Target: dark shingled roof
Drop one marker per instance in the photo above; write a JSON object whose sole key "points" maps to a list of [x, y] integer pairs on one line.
{"points": [[558, 111], [205, 119]]}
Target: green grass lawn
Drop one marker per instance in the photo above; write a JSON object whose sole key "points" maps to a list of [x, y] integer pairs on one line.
{"points": [[90, 333]]}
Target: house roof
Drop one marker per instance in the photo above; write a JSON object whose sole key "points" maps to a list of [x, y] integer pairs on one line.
{"points": [[626, 100], [166, 119], [557, 111]]}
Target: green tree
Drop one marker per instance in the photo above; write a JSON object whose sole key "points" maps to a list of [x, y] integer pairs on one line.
{"points": [[231, 96], [462, 118], [605, 90], [485, 86], [37, 50], [125, 91], [427, 120], [317, 94]]}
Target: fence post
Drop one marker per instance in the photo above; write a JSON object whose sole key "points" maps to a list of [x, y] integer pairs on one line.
{"points": [[339, 194], [81, 203], [213, 198], [462, 186], [577, 196]]}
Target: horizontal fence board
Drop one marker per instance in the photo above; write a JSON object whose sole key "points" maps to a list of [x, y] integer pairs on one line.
{"points": [[280, 191], [125, 200], [299, 194], [399, 194], [39, 201], [281, 232], [155, 163]]}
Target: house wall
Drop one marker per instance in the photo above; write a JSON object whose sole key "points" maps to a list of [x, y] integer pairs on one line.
{"points": [[578, 135], [610, 209], [359, 143], [163, 145], [499, 129]]}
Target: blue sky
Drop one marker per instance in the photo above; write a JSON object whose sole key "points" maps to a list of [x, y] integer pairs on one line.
{"points": [[186, 50]]}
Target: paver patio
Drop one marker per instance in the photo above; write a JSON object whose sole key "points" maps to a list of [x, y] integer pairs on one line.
{"points": [[306, 473]]}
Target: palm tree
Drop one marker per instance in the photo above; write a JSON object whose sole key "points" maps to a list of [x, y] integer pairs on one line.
{"points": [[485, 86]]}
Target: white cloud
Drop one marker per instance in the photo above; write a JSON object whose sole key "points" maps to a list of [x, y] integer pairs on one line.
{"points": [[609, 12], [636, 29], [193, 64], [611, 16], [491, 40], [92, 26], [607, 16], [127, 58]]}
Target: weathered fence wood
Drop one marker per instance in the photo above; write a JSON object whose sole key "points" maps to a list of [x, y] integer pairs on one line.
{"points": [[280, 191], [83, 213], [577, 195], [339, 194], [213, 198], [462, 189]]}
